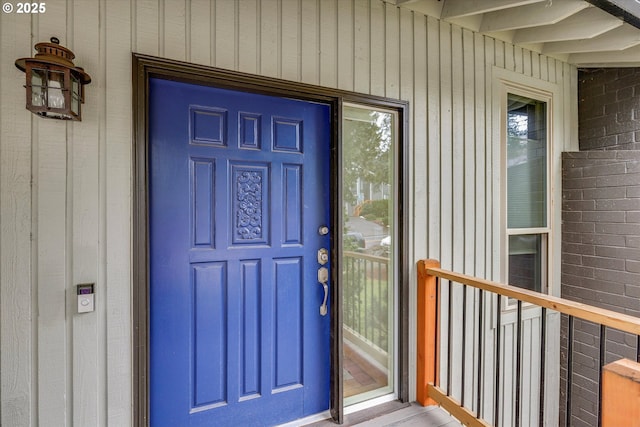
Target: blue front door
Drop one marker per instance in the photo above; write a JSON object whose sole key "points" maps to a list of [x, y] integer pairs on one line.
{"points": [[239, 191]]}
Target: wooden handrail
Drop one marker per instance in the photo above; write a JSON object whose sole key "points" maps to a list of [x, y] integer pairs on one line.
{"points": [[610, 318]]}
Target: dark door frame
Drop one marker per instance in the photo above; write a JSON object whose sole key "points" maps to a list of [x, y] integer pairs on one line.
{"points": [[145, 67]]}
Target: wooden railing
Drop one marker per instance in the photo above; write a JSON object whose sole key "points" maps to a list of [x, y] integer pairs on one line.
{"points": [[430, 326]]}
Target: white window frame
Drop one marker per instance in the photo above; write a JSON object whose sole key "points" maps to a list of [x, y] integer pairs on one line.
{"points": [[504, 83], [544, 232]]}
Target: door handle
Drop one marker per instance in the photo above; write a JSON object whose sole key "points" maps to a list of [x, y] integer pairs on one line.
{"points": [[323, 278], [323, 307]]}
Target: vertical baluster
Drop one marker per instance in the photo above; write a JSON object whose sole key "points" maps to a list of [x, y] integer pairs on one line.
{"points": [[543, 350], [376, 302], [359, 294], [348, 304], [480, 353], [367, 323], [464, 341], [603, 342], [372, 301], [436, 366], [496, 380], [379, 308], [638, 348], [567, 396], [450, 339], [518, 361]]}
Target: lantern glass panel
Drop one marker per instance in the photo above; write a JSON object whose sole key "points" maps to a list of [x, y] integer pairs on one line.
{"points": [[75, 95], [38, 76], [55, 85]]}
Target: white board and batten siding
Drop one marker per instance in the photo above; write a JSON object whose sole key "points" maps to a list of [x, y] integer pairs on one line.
{"points": [[65, 188]]}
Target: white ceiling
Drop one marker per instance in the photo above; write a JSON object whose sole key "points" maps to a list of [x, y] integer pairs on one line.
{"points": [[575, 31]]}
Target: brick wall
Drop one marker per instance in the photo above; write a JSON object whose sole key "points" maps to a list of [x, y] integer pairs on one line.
{"points": [[609, 109], [600, 260], [601, 228], [601, 225]]}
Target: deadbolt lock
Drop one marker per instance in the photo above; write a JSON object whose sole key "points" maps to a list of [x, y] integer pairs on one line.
{"points": [[323, 256]]}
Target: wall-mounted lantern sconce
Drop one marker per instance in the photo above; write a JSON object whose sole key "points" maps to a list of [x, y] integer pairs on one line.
{"points": [[55, 87]]}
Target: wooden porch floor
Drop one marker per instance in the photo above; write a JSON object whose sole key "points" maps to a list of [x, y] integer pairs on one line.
{"points": [[397, 414]]}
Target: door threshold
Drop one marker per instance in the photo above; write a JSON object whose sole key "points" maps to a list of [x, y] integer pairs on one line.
{"points": [[311, 420], [362, 415]]}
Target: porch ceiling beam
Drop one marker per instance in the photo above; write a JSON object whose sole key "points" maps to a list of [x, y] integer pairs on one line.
{"points": [[425, 7], [585, 24], [631, 16], [620, 38], [531, 15], [460, 8], [401, 2], [623, 58]]}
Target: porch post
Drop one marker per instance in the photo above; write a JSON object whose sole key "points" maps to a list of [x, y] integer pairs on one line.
{"points": [[621, 394], [427, 331]]}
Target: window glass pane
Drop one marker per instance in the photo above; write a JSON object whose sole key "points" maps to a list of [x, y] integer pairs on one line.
{"points": [[368, 142], [526, 162], [527, 254]]}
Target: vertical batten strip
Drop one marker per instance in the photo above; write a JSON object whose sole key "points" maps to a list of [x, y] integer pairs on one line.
{"points": [[328, 66], [310, 42], [469, 358], [225, 40], [187, 30], [362, 47], [248, 18], [269, 55], [290, 40], [419, 158], [54, 404], [433, 138], [480, 142], [146, 27], [378, 46], [344, 45], [84, 221], [198, 23], [446, 154], [458, 161], [392, 51], [469, 143], [161, 27], [101, 303], [118, 213], [18, 215]]}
